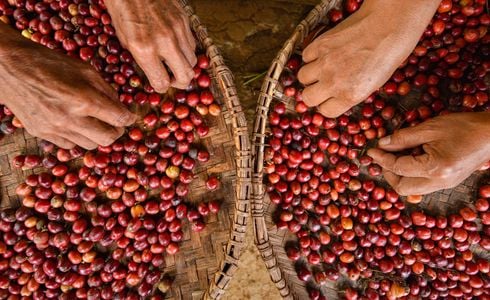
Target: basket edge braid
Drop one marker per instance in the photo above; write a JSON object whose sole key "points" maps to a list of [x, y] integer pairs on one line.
{"points": [[266, 96], [243, 159]]}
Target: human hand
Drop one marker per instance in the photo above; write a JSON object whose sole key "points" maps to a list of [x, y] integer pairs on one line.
{"points": [[58, 98], [455, 146], [348, 63], [155, 31]]}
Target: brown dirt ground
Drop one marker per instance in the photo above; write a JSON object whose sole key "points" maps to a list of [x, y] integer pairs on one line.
{"points": [[250, 33]]}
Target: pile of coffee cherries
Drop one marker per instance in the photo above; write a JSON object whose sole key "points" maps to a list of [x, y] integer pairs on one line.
{"points": [[328, 193], [98, 224]]}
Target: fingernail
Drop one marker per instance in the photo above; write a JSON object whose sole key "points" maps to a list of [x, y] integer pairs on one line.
{"points": [[127, 119], [385, 141]]}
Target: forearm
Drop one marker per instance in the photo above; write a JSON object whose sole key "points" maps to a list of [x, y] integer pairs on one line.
{"points": [[11, 40], [398, 24], [422, 10], [416, 14], [8, 37], [14, 48]]}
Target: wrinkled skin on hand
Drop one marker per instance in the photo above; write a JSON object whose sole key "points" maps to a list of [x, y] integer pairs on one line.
{"points": [[454, 147], [157, 33], [348, 63], [58, 98]]}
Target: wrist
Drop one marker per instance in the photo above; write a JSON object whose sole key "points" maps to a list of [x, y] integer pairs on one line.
{"points": [[413, 15]]}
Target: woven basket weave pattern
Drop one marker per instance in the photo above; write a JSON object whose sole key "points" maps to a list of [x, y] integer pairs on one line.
{"points": [[207, 261], [270, 241]]}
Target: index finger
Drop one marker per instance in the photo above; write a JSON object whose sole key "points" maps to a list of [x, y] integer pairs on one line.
{"points": [[188, 42], [406, 138], [178, 63], [411, 166], [94, 80], [154, 69], [406, 186]]}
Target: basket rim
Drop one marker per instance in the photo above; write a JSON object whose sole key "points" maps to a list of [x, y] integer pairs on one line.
{"points": [[266, 96], [243, 158]]}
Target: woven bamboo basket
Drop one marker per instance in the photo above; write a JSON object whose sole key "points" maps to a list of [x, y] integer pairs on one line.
{"points": [[207, 261], [269, 240]]}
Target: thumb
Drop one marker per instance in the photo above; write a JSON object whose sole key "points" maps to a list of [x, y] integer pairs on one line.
{"points": [[405, 139]]}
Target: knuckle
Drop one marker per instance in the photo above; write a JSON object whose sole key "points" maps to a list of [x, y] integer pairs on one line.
{"points": [[178, 18], [36, 132], [431, 123], [138, 39], [445, 171], [168, 37], [323, 45], [183, 16], [86, 102], [397, 137], [60, 122], [145, 51], [183, 79], [397, 169], [347, 95], [350, 95], [182, 21]]}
